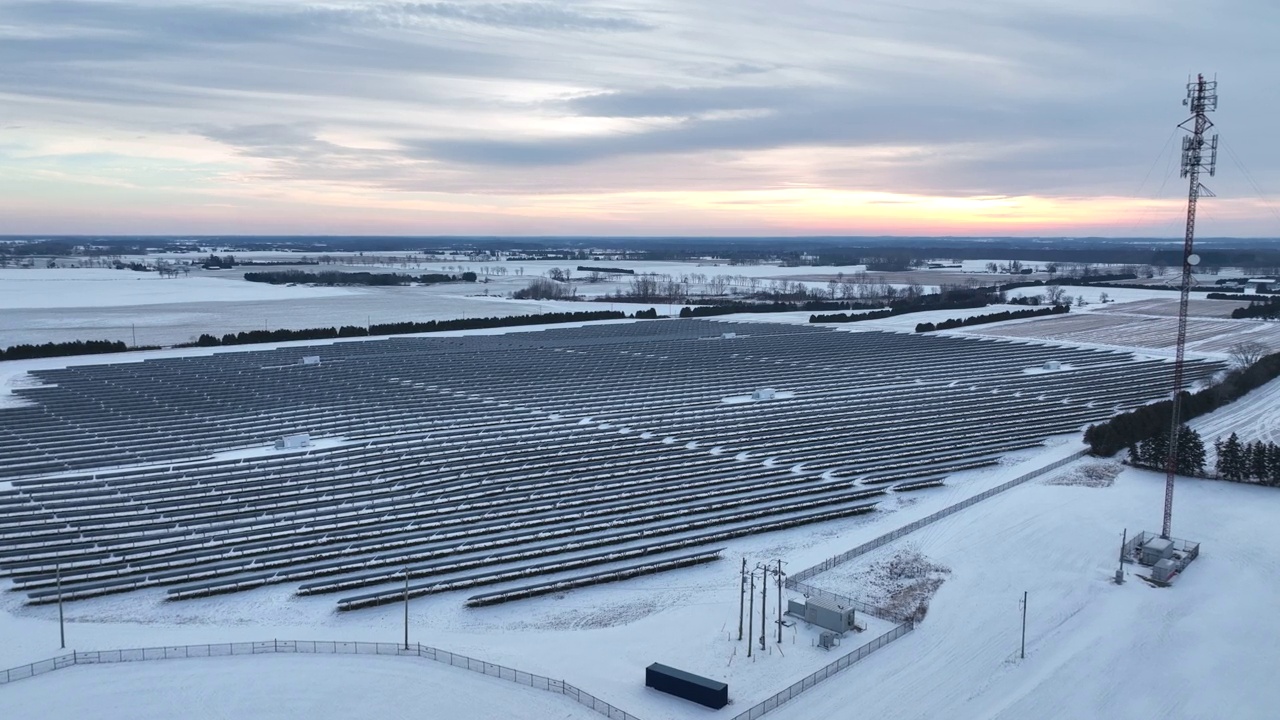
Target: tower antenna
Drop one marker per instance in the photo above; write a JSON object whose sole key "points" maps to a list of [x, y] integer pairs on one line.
{"points": [[1198, 155]]}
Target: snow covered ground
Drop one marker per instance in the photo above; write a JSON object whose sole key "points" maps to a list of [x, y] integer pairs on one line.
{"points": [[1094, 649], [1201, 649], [101, 288], [279, 686]]}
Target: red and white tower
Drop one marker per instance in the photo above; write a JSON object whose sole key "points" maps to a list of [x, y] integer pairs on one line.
{"points": [[1199, 155]]}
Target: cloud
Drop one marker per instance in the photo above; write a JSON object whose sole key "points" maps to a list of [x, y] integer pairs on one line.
{"points": [[504, 99], [521, 15]]}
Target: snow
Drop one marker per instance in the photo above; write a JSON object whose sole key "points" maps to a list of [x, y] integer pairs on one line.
{"points": [[1094, 649], [278, 686], [100, 288], [749, 398], [1202, 648], [15, 374]]}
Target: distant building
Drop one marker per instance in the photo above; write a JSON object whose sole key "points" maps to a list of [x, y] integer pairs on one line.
{"points": [[1259, 285]]}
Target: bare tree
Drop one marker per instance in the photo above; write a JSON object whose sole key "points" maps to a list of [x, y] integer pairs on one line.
{"points": [[1245, 353]]}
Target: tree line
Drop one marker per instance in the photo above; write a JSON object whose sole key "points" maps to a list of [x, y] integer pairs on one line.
{"points": [[949, 299], [1146, 422], [729, 308], [90, 347], [1264, 309], [60, 349], [1153, 452], [404, 328], [991, 318], [1248, 462], [281, 277]]}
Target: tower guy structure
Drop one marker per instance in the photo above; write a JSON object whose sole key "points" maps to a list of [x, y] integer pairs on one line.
{"points": [[1199, 155]]}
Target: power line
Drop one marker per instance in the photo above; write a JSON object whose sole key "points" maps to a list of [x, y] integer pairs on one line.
{"points": [[1249, 177]]}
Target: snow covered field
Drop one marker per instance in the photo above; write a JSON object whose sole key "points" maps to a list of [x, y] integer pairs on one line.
{"points": [[63, 288], [1093, 649], [1201, 649], [279, 686]]}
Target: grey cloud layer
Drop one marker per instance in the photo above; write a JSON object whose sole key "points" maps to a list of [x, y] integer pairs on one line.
{"points": [[1047, 96]]}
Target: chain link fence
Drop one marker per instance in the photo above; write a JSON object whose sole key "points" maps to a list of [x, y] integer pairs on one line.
{"points": [[317, 647], [883, 540], [826, 672], [845, 601]]}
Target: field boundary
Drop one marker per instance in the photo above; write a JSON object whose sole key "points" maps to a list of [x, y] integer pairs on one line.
{"points": [[844, 557], [316, 647]]}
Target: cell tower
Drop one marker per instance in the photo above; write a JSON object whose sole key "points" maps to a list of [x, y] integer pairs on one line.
{"points": [[1198, 155]]}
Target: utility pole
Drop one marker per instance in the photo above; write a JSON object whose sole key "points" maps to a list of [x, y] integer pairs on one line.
{"points": [[779, 574], [62, 627], [751, 606], [742, 578], [1198, 154], [406, 608], [764, 602], [134, 327], [1023, 653]]}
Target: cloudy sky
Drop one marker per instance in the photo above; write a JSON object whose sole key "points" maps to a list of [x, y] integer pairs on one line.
{"points": [[631, 117]]}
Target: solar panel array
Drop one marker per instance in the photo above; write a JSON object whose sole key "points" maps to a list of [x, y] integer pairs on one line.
{"points": [[477, 460]]}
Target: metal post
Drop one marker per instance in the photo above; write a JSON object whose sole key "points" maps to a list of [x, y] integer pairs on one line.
{"points": [[406, 608], [134, 327], [62, 627], [751, 606], [1124, 540], [742, 578], [1023, 653]]}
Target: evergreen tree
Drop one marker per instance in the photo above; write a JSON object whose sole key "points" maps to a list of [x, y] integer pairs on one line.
{"points": [[1135, 458], [1246, 460], [1157, 451], [1273, 464], [1230, 466], [1190, 452], [1217, 454], [1259, 465], [1146, 452]]}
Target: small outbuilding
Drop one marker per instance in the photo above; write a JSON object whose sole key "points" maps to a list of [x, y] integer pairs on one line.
{"points": [[764, 394], [310, 359], [728, 335], [1157, 549], [824, 614], [293, 442], [1052, 365], [1164, 570]]}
